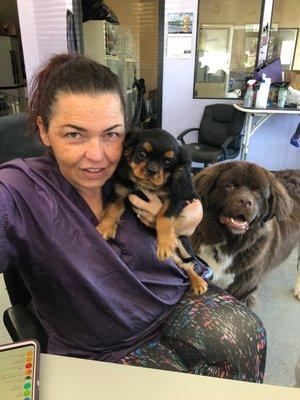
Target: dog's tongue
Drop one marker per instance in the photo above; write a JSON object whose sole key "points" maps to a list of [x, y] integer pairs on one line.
{"points": [[234, 223]]}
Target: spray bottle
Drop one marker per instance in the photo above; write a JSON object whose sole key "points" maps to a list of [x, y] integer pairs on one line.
{"points": [[248, 98], [263, 92]]}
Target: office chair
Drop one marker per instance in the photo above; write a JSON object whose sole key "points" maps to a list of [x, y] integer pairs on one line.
{"points": [[219, 134], [18, 319]]}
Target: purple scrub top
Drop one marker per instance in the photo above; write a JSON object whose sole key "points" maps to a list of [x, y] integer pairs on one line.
{"points": [[95, 299]]}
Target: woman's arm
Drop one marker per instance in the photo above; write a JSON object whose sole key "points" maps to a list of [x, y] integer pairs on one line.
{"points": [[186, 223]]}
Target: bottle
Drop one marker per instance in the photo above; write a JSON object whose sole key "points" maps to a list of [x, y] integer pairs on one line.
{"points": [[263, 92], [248, 98], [282, 95]]}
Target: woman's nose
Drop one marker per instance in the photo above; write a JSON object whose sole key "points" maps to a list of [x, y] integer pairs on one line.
{"points": [[95, 150]]}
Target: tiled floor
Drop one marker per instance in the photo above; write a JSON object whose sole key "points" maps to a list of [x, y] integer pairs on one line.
{"points": [[279, 311]]}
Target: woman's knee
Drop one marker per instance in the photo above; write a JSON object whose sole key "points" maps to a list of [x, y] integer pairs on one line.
{"points": [[216, 327]]}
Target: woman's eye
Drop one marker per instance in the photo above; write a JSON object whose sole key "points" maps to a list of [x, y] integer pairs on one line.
{"points": [[112, 135], [141, 154], [73, 135], [230, 187]]}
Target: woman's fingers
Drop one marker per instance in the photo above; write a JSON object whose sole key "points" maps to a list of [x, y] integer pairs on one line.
{"points": [[146, 211]]}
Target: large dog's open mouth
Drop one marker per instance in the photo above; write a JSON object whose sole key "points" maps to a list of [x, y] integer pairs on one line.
{"points": [[238, 224]]}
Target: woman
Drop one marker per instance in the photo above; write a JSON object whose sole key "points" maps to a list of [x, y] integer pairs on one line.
{"points": [[114, 300]]}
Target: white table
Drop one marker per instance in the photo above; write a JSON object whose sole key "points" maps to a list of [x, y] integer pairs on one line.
{"points": [[261, 115], [64, 378]]}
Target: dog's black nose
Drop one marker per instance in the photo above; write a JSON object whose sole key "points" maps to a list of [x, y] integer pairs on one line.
{"points": [[152, 169], [244, 202]]}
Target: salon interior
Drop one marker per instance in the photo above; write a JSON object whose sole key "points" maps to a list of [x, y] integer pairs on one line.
{"points": [[173, 58]]}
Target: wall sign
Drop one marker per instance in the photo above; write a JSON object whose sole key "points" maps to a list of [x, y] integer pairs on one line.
{"points": [[180, 29]]}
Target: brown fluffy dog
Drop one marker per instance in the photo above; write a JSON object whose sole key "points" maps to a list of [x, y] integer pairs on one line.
{"points": [[251, 223]]}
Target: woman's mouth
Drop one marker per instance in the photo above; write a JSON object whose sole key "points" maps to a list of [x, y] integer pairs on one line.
{"points": [[94, 172]]}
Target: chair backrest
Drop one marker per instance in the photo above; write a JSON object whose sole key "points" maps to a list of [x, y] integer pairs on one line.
{"points": [[218, 122], [14, 142], [16, 289]]}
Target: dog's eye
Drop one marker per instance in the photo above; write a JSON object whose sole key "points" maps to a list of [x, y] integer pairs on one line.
{"points": [[141, 154], [257, 193], [167, 163], [230, 187]]}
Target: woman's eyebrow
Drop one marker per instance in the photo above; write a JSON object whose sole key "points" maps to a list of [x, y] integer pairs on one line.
{"points": [[113, 127], [78, 128]]}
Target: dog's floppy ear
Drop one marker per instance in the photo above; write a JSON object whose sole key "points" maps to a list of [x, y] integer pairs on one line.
{"points": [[280, 203], [131, 139], [205, 180], [181, 178]]}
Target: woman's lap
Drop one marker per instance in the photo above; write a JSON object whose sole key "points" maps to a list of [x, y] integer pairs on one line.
{"points": [[212, 334]]}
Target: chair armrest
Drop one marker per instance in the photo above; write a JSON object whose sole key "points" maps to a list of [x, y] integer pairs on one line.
{"points": [[227, 142], [230, 139], [182, 134], [21, 324]]}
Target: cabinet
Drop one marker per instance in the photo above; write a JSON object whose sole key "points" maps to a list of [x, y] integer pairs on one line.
{"points": [[113, 46]]}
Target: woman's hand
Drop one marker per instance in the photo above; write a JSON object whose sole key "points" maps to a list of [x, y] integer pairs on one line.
{"points": [[189, 218], [147, 212]]}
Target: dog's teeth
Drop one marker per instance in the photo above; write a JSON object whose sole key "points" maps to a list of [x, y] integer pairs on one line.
{"points": [[232, 220]]}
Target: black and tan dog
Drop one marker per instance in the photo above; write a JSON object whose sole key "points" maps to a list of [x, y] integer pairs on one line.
{"points": [[152, 159]]}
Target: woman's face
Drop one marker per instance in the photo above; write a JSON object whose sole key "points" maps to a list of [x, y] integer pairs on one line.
{"points": [[86, 134]]}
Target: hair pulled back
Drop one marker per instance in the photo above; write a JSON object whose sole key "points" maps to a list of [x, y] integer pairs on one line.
{"points": [[70, 74]]}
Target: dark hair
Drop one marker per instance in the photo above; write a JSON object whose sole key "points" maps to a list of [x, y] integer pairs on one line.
{"points": [[68, 73]]}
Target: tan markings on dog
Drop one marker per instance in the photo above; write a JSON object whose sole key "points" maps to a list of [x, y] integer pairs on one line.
{"points": [[166, 237], [139, 170], [112, 213], [169, 154], [122, 191], [148, 147], [159, 178]]}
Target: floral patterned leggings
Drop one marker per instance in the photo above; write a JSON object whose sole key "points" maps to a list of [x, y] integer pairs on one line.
{"points": [[213, 334]]}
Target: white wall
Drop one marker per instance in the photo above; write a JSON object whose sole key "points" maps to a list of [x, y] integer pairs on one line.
{"points": [[43, 30], [269, 146]]}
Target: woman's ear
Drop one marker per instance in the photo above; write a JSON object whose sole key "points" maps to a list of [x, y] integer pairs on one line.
{"points": [[43, 132]]}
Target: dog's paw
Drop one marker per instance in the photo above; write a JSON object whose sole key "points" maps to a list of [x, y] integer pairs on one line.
{"points": [[108, 231], [297, 292], [164, 251], [199, 286], [166, 246], [251, 301]]}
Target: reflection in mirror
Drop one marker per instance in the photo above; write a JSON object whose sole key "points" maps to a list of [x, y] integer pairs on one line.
{"points": [[226, 47], [284, 41]]}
